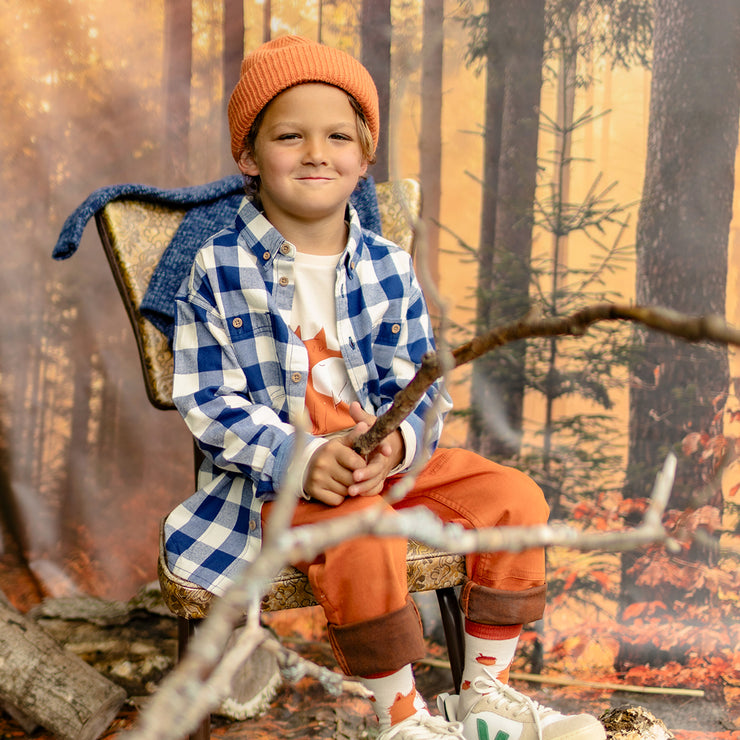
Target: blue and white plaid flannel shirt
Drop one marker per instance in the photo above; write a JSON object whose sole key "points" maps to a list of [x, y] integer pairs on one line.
{"points": [[240, 375]]}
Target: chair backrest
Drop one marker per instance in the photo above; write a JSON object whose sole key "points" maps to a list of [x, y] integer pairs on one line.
{"points": [[135, 234]]}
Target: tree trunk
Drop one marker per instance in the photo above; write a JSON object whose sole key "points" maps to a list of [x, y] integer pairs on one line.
{"points": [[566, 98], [682, 242], [683, 228], [41, 683], [267, 21], [430, 141], [516, 34], [72, 483], [15, 567], [375, 25], [486, 404], [178, 35], [231, 63]]}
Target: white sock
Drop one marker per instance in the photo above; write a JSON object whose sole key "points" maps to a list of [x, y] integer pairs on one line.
{"points": [[486, 646], [395, 697]]}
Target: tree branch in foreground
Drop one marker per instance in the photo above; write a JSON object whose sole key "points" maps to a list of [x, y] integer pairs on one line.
{"points": [[690, 328], [199, 683], [202, 679]]}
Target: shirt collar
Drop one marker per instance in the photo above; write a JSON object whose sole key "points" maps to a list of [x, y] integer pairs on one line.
{"points": [[259, 235], [265, 241]]}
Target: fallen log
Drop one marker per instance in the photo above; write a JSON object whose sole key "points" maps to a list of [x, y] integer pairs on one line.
{"points": [[49, 686]]}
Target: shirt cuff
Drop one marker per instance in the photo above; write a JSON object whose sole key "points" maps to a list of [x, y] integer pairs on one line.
{"points": [[409, 442], [305, 459]]}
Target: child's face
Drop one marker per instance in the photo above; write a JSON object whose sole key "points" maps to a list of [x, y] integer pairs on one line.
{"points": [[307, 154]]}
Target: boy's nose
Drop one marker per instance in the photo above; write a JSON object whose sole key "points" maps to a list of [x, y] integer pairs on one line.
{"points": [[315, 151]]}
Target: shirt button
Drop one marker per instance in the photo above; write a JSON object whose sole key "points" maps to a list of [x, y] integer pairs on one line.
{"points": [[252, 525], [351, 265], [265, 256], [285, 248], [283, 281], [396, 328], [296, 377], [237, 323]]}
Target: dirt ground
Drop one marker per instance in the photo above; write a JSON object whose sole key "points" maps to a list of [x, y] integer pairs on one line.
{"points": [[305, 710]]}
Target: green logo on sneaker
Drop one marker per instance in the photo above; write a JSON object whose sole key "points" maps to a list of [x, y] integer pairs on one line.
{"points": [[482, 728]]}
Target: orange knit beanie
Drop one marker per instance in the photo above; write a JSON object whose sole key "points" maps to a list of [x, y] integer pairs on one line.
{"points": [[291, 60]]}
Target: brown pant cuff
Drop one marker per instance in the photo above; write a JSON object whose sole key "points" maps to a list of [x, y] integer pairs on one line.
{"points": [[386, 643], [494, 606]]}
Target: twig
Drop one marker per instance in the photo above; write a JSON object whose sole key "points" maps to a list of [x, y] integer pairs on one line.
{"points": [[606, 685], [690, 328], [578, 683], [195, 687], [294, 667], [203, 678]]}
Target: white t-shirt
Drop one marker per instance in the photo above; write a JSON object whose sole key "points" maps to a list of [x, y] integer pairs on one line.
{"points": [[329, 391], [314, 319]]}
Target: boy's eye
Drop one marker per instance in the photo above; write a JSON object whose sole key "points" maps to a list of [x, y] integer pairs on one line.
{"points": [[286, 137], [341, 137]]}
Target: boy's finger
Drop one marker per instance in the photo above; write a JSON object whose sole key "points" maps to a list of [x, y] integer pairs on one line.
{"points": [[360, 415], [349, 459], [359, 429], [320, 484], [339, 480], [328, 498], [376, 466], [367, 488]]}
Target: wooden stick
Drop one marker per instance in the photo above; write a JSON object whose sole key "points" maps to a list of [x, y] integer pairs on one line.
{"points": [[606, 686], [711, 328], [577, 683]]}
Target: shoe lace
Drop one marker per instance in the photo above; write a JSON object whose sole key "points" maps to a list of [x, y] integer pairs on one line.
{"points": [[504, 696], [424, 727]]}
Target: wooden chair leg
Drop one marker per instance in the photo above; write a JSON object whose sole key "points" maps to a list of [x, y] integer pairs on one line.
{"points": [[185, 630], [453, 627]]}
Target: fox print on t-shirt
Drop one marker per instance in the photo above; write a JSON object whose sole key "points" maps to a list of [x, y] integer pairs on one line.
{"points": [[328, 393]]}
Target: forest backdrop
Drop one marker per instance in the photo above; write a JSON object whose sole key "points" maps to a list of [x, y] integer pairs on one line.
{"points": [[569, 151]]}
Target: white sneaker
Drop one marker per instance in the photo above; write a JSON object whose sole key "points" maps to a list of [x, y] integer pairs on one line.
{"points": [[502, 713], [423, 727]]}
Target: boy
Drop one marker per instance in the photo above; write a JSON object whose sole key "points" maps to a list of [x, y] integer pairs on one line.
{"points": [[298, 309]]}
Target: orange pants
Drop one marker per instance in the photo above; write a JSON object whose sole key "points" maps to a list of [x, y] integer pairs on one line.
{"points": [[374, 626]]}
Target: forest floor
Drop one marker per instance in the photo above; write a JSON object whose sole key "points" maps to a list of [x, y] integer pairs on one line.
{"points": [[305, 710]]}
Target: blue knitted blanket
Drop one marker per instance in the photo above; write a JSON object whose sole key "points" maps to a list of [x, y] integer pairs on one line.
{"points": [[210, 208]]}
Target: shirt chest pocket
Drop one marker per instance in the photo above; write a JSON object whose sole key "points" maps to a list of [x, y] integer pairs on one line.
{"points": [[385, 344], [256, 350], [244, 327]]}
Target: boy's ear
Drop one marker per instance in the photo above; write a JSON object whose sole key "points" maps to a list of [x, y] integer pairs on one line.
{"points": [[247, 165]]}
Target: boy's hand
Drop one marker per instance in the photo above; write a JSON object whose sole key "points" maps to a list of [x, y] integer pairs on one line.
{"points": [[370, 479], [332, 467], [337, 471]]}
